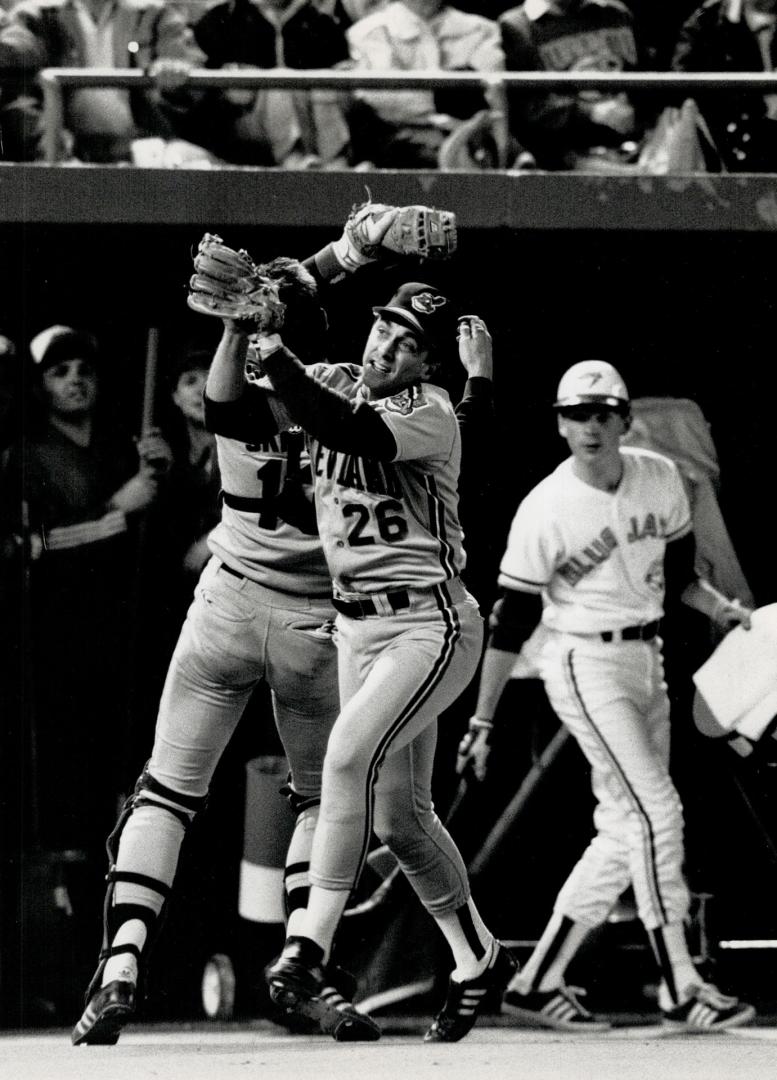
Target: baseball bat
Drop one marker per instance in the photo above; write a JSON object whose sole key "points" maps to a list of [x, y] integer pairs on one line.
{"points": [[516, 805], [149, 380], [141, 555]]}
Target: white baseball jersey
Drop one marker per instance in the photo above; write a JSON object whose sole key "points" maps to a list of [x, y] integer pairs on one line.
{"points": [[597, 557], [391, 525], [256, 541]]}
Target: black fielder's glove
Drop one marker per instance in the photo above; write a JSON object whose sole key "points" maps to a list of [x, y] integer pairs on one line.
{"points": [[228, 284], [373, 229]]}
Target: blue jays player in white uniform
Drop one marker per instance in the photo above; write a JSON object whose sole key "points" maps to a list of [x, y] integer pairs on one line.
{"points": [[590, 553], [385, 451]]}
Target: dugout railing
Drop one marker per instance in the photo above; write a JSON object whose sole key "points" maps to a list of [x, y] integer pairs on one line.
{"points": [[496, 84]]}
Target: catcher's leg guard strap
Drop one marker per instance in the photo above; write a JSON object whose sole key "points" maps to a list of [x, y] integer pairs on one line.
{"points": [[129, 876], [149, 791], [298, 803]]}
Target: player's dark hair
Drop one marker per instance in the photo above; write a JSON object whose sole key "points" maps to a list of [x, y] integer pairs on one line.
{"points": [[305, 324]]}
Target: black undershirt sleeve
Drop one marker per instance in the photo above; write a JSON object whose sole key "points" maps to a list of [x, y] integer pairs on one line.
{"points": [[513, 619], [679, 567], [330, 417], [248, 419]]}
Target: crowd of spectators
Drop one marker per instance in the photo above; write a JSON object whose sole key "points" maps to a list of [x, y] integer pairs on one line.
{"points": [[171, 122]]}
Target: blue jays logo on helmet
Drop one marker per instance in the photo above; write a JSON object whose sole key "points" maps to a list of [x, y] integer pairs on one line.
{"points": [[592, 382]]}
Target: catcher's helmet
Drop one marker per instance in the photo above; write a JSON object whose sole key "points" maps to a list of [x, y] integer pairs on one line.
{"points": [[592, 382]]}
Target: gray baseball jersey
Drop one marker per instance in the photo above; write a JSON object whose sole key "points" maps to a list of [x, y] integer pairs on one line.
{"points": [[383, 527]]}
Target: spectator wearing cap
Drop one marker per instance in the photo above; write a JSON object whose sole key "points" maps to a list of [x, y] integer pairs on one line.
{"points": [[82, 490], [293, 129], [101, 123], [735, 35], [405, 129]]}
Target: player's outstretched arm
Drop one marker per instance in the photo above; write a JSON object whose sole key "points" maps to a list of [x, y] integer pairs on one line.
{"points": [[375, 231], [475, 411], [327, 415], [226, 376], [476, 350]]}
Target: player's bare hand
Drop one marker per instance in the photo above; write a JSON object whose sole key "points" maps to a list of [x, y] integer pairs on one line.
{"points": [[170, 73], [197, 554], [139, 492], [154, 452], [474, 751], [475, 347], [732, 614]]}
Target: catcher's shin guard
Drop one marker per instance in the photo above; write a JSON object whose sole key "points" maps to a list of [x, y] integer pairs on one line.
{"points": [[148, 792]]}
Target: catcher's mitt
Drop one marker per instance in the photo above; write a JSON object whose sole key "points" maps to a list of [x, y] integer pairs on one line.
{"points": [[372, 229], [423, 231], [228, 284]]}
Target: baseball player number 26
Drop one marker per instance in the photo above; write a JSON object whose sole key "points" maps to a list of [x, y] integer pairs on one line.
{"points": [[390, 526]]}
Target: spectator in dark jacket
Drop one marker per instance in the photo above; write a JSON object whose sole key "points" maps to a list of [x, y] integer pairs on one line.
{"points": [[569, 35], [273, 127], [735, 35]]}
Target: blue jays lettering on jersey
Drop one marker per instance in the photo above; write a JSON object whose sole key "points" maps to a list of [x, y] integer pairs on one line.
{"points": [[597, 556]]}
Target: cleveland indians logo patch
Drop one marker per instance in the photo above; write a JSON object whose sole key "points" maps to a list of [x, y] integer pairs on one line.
{"points": [[427, 302], [404, 403]]}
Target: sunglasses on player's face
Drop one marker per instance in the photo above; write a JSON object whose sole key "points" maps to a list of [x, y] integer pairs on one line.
{"points": [[583, 413]]}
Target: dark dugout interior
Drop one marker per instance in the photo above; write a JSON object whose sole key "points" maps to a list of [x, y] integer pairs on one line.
{"points": [[683, 313]]}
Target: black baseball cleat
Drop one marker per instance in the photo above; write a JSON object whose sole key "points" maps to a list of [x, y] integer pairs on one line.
{"points": [[707, 1010], [335, 1016], [559, 1009], [331, 1011], [466, 999], [108, 1011], [339, 1017], [298, 973]]}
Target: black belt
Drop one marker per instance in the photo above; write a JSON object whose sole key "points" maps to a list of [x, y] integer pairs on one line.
{"points": [[632, 633], [239, 502], [234, 573], [359, 609]]}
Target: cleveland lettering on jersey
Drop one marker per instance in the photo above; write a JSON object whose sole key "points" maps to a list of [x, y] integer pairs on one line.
{"points": [[361, 474], [593, 554]]}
